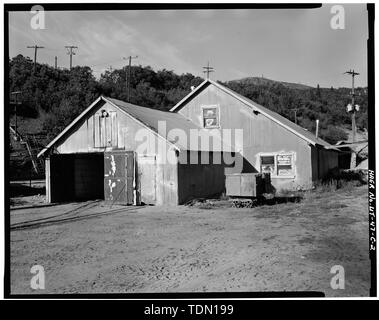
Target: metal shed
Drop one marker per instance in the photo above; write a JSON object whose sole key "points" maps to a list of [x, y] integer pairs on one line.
{"points": [[294, 157], [126, 153]]}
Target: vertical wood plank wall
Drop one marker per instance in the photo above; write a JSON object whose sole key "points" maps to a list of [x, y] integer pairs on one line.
{"points": [[84, 139]]}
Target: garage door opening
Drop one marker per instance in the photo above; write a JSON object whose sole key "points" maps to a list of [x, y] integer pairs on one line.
{"points": [[76, 177]]}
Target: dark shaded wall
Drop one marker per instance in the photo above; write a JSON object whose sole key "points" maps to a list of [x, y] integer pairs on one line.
{"points": [[322, 162], [201, 180]]}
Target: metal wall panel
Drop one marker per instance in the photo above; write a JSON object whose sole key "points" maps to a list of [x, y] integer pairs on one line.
{"points": [[87, 138], [147, 168], [118, 176], [260, 135]]}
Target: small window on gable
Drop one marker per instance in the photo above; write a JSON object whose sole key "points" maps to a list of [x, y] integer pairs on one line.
{"points": [[211, 117], [105, 129]]}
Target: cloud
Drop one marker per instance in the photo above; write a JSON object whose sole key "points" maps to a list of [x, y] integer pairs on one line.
{"points": [[111, 40], [102, 40]]}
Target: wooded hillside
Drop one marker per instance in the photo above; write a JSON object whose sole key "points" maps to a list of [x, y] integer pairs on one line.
{"points": [[52, 98]]}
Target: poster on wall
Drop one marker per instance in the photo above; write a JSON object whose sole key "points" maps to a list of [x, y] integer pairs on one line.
{"points": [[284, 164]]}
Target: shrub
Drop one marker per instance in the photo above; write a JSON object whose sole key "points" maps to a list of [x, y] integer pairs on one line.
{"points": [[333, 134]]}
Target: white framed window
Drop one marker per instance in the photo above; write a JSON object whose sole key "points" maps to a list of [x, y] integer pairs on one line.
{"points": [[211, 116], [268, 164], [277, 164]]}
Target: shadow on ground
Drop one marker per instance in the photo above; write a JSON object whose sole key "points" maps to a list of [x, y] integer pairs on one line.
{"points": [[23, 190]]}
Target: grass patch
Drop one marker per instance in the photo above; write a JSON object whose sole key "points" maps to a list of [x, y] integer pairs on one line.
{"points": [[332, 206]]}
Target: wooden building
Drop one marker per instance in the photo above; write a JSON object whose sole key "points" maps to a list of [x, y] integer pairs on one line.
{"points": [[117, 151], [271, 143]]}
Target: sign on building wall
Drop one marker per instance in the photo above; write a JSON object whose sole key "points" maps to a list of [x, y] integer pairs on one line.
{"points": [[284, 164]]}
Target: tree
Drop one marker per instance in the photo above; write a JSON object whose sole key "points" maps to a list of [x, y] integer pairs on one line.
{"points": [[318, 91], [56, 97]]}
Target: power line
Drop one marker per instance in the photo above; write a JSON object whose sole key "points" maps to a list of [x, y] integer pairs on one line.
{"points": [[129, 74], [105, 63], [71, 53], [35, 55], [208, 70]]}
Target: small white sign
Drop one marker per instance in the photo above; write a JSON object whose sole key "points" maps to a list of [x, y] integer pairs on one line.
{"points": [[284, 160]]}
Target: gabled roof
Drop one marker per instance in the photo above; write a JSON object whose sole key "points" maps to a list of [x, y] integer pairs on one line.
{"points": [[284, 122], [150, 118], [147, 117], [71, 125]]}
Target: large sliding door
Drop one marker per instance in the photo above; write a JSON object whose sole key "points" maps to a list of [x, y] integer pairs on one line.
{"points": [[119, 177]]}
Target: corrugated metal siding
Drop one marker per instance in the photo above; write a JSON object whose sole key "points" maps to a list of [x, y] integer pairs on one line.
{"points": [[322, 162], [260, 135], [200, 180], [173, 122], [119, 177], [275, 116]]}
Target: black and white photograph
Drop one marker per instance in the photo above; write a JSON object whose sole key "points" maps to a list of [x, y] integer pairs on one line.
{"points": [[182, 150]]}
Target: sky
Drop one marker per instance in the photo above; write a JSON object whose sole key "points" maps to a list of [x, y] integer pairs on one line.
{"points": [[287, 45]]}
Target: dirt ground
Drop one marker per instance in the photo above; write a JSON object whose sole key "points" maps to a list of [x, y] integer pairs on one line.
{"points": [[288, 246]]}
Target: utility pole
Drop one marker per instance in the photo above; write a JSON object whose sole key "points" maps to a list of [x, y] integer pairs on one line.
{"points": [[35, 55], [71, 53], [295, 111], [56, 62], [353, 125], [16, 102], [208, 70], [129, 74]]}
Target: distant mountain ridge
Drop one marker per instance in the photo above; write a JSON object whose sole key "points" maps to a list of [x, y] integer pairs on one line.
{"points": [[266, 81]]}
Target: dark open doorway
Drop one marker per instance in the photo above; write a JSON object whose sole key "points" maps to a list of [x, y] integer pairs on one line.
{"points": [[77, 177]]}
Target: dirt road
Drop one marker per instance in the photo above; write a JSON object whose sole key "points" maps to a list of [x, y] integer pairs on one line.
{"points": [[189, 249]]}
